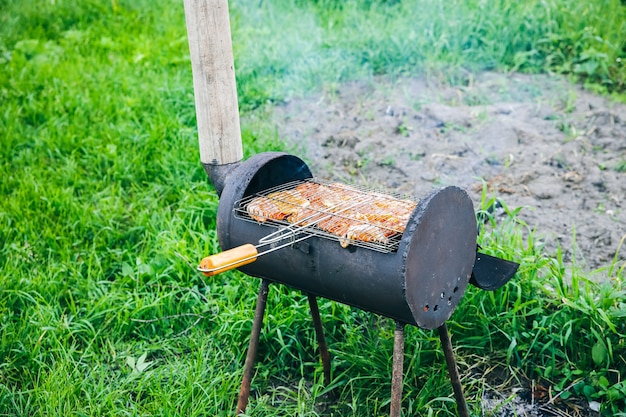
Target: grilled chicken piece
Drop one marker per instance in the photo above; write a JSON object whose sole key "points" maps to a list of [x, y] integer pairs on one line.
{"points": [[314, 193], [336, 225], [399, 208], [305, 216], [348, 230], [323, 197], [288, 201], [336, 208], [262, 209], [276, 206], [389, 214], [366, 233], [388, 223]]}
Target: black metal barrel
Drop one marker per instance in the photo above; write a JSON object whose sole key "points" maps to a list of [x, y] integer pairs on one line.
{"points": [[419, 284]]}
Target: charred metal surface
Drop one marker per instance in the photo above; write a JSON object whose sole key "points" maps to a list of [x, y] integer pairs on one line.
{"points": [[435, 255], [491, 273], [218, 174], [440, 256]]}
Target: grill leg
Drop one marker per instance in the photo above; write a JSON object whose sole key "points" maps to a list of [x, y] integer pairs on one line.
{"points": [[259, 312], [321, 340], [397, 371], [446, 344]]}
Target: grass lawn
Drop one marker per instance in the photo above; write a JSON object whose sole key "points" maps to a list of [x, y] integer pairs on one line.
{"points": [[105, 209]]}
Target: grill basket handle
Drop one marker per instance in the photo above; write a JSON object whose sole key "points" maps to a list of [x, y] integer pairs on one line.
{"points": [[227, 260]]}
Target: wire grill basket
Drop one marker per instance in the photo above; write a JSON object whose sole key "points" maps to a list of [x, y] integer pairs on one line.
{"points": [[351, 215]]}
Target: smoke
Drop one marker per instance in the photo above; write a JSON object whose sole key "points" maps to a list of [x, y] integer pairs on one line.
{"points": [[289, 47]]}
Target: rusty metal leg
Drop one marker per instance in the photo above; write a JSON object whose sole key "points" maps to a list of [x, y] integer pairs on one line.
{"points": [[446, 344], [321, 340], [397, 371], [259, 312]]}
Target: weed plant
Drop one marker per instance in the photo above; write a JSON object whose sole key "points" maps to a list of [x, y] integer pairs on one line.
{"points": [[104, 211]]}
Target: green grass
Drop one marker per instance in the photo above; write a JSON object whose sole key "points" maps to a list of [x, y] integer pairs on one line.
{"points": [[319, 43], [102, 198]]}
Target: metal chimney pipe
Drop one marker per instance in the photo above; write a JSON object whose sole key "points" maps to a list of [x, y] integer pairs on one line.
{"points": [[215, 88]]}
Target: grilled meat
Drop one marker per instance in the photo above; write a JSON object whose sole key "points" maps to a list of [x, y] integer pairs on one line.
{"points": [[262, 208], [338, 209], [276, 206], [367, 233]]}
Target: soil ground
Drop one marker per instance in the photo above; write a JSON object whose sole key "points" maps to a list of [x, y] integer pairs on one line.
{"points": [[538, 142]]}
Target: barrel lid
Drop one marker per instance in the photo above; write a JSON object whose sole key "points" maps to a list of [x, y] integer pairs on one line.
{"points": [[440, 255]]}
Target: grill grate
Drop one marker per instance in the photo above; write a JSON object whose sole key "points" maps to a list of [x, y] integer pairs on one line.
{"points": [[352, 215]]}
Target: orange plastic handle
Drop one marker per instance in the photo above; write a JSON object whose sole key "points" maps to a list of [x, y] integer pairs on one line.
{"points": [[227, 260]]}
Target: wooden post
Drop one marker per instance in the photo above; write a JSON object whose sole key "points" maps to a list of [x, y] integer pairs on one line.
{"points": [[214, 85]]}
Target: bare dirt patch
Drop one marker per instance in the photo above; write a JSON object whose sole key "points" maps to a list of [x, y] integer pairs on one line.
{"points": [[538, 142]]}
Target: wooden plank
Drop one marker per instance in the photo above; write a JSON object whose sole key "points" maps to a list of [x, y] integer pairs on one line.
{"points": [[215, 89]]}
